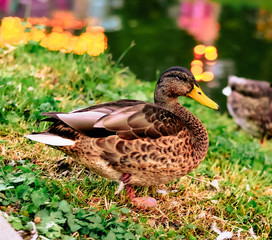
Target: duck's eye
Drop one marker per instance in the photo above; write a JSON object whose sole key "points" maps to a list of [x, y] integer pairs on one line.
{"points": [[199, 93]]}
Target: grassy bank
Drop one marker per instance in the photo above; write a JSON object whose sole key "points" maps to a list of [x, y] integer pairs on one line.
{"points": [[229, 191]]}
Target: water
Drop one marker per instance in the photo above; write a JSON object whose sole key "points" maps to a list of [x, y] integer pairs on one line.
{"points": [[242, 35]]}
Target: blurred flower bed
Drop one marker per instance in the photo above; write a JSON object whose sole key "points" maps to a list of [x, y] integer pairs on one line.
{"points": [[55, 34]]}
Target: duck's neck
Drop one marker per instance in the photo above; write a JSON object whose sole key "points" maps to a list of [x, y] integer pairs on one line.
{"points": [[195, 126], [172, 104]]}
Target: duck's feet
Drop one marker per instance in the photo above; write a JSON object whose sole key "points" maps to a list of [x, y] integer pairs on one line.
{"points": [[145, 202], [125, 178], [130, 192], [142, 202]]}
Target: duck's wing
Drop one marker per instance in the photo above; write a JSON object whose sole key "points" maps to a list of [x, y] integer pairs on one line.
{"points": [[68, 126], [250, 103], [248, 112], [82, 120], [141, 121], [250, 88], [127, 119]]}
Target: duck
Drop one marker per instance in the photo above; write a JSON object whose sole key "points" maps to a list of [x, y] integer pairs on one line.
{"points": [[249, 102], [133, 142]]}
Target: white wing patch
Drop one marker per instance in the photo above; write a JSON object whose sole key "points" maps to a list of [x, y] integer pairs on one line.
{"points": [[50, 139]]}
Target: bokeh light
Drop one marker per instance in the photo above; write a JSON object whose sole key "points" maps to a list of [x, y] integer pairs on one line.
{"points": [[211, 56], [207, 76], [197, 62], [198, 77], [196, 70], [204, 58], [199, 49], [210, 49]]}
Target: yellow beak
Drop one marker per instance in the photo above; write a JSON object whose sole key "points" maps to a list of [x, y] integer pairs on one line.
{"points": [[198, 95]]}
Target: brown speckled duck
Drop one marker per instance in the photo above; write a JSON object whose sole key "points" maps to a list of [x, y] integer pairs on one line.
{"points": [[135, 142], [250, 104]]}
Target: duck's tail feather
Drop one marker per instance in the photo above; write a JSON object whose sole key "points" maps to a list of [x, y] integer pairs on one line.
{"points": [[50, 139]]}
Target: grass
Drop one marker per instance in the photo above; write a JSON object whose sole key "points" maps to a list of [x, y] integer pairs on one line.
{"points": [[230, 189]]}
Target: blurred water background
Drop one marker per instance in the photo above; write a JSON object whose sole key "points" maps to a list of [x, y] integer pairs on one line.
{"points": [[165, 33]]}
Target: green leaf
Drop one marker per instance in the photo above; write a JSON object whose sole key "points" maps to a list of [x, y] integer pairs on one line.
{"points": [[72, 223], [57, 217], [129, 235], [5, 202], [67, 237], [43, 214], [24, 192], [39, 197], [13, 117], [55, 231], [119, 230], [8, 169], [64, 206], [4, 187], [17, 225], [17, 179], [15, 222], [96, 219], [27, 168], [125, 210], [110, 236], [85, 231], [252, 204], [45, 107]]}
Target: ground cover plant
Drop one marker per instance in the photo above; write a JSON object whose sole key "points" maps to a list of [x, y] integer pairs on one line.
{"points": [[42, 189]]}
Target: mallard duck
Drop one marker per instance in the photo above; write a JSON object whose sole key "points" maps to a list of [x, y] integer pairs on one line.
{"points": [[250, 104], [135, 142]]}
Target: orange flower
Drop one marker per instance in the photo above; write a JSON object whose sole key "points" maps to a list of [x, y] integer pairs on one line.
{"points": [[26, 24], [38, 21], [80, 46], [57, 29], [93, 41], [54, 41], [78, 24], [71, 43], [36, 35], [97, 45], [12, 31], [65, 20], [96, 48], [67, 34], [93, 44], [44, 42]]}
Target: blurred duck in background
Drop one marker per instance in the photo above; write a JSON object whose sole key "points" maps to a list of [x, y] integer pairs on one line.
{"points": [[250, 104]]}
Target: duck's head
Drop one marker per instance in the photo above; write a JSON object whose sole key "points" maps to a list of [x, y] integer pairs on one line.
{"points": [[179, 81]]}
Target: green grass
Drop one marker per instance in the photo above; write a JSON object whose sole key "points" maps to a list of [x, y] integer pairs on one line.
{"points": [[40, 184]]}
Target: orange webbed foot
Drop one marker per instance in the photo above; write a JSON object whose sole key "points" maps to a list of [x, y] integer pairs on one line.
{"points": [[142, 202]]}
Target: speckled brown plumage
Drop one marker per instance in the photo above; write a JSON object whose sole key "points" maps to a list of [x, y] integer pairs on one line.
{"points": [[152, 143], [250, 104]]}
